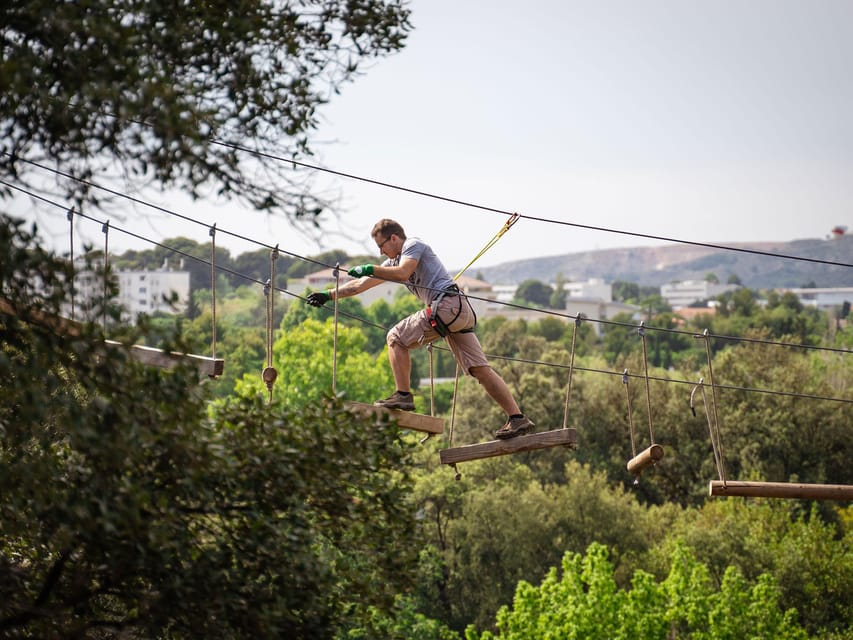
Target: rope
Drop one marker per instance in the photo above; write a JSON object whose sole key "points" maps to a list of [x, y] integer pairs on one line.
{"points": [[213, 288], [269, 374], [512, 220], [70, 217], [105, 229], [337, 274], [431, 382], [715, 444], [453, 418], [630, 414], [642, 332], [722, 467], [571, 371]]}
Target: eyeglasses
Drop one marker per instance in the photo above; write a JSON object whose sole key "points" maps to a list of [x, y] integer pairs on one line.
{"points": [[382, 244]]}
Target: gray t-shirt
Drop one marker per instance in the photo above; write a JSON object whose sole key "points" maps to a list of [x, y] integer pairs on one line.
{"points": [[430, 277]]}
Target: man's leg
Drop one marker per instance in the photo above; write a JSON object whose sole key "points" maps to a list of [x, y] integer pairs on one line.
{"points": [[496, 388], [401, 366], [517, 424]]}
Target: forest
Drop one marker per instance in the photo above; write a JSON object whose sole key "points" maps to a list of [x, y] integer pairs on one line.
{"points": [[141, 503]]}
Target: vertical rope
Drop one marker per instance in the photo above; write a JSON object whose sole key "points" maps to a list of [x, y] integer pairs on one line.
{"points": [[431, 382], [453, 417], [630, 413], [707, 338], [105, 229], [642, 333], [213, 288], [714, 440], [71, 256], [578, 319], [269, 374], [337, 275]]}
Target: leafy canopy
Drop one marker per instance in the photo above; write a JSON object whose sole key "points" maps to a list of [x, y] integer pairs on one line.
{"points": [[164, 90]]}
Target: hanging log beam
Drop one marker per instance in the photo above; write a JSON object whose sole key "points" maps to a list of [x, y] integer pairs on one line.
{"points": [[404, 419], [530, 442], [210, 367], [645, 459], [791, 490], [206, 367]]}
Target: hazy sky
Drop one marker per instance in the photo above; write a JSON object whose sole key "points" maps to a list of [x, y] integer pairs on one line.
{"points": [[714, 121]]}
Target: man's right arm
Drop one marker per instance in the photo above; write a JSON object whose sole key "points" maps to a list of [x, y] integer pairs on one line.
{"points": [[346, 290]]}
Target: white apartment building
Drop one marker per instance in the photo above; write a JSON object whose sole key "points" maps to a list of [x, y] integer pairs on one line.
{"points": [[822, 298], [139, 291], [683, 294], [150, 292]]}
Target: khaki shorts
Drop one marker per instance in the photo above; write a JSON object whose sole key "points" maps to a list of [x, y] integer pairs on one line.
{"points": [[415, 331]]}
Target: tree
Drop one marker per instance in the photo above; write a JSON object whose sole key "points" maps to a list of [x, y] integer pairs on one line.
{"points": [[170, 92], [558, 297], [128, 509], [501, 523], [585, 602], [534, 292], [304, 358]]}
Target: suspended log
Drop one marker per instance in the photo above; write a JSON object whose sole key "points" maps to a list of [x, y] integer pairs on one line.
{"points": [[791, 490], [404, 419], [210, 367], [530, 442], [645, 459], [206, 367]]}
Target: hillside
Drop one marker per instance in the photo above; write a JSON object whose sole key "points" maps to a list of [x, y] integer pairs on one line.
{"points": [[654, 266]]}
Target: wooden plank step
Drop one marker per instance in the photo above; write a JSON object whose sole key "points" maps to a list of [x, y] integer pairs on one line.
{"points": [[530, 442], [792, 490], [405, 419]]}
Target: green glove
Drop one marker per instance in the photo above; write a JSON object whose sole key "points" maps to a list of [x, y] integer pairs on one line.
{"points": [[361, 270]]}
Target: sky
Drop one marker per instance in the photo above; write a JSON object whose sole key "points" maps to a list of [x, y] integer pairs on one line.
{"points": [[715, 121]]}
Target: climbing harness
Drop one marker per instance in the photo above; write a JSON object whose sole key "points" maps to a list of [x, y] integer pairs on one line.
{"points": [[439, 326]]}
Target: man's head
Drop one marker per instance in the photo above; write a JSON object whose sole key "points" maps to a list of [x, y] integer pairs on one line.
{"points": [[389, 237]]}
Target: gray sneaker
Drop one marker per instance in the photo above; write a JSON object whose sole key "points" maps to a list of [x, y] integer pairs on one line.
{"points": [[397, 401], [515, 427]]}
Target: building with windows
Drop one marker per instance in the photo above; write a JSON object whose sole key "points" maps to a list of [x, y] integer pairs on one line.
{"points": [[147, 291], [683, 294]]}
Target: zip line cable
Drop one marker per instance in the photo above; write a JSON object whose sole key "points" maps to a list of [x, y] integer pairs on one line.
{"points": [[491, 356], [427, 194], [472, 205]]}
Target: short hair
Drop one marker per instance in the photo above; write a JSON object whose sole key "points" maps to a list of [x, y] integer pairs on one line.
{"points": [[387, 228]]}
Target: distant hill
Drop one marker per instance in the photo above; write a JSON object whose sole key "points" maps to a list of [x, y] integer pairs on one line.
{"points": [[655, 266]]}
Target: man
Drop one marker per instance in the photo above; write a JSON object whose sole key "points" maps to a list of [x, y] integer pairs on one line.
{"points": [[448, 314]]}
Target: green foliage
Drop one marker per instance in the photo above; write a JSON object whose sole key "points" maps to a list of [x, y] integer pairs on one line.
{"points": [[500, 524], [585, 602], [150, 85], [305, 357], [533, 292], [810, 559], [128, 510]]}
